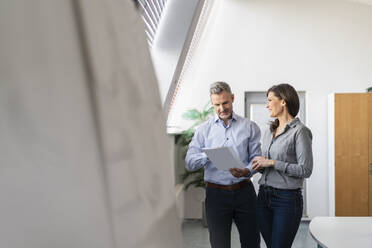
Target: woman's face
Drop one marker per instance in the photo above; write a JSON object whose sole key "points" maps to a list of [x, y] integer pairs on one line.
{"points": [[275, 105]]}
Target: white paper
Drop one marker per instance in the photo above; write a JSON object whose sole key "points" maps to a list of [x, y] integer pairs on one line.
{"points": [[224, 158]]}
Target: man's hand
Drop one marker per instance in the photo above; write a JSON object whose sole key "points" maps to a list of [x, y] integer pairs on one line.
{"points": [[237, 172], [262, 162]]}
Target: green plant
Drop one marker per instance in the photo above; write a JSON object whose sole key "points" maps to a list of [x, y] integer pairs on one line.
{"points": [[369, 89], [193, 178]]}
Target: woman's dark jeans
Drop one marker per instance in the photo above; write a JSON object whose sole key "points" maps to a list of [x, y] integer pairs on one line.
{"points": [[279, 214]]}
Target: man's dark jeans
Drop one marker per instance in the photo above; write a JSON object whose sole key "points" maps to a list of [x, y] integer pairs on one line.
{"points": [[279, 214], [224, 206]]}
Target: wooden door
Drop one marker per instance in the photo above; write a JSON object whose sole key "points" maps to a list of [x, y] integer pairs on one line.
{"points": [[351, 155], [370, 150]]}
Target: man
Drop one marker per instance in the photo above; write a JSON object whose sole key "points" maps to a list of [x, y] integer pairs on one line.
{"points": [[230, 195]]}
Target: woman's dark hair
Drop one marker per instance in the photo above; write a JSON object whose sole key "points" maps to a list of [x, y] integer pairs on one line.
{"points": [[290, 96]]}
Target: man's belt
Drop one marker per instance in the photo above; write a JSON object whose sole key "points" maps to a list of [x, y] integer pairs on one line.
{"points": [[228, 187]]}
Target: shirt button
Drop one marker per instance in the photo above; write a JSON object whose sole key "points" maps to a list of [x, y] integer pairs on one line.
{"points": [[227, 138]]}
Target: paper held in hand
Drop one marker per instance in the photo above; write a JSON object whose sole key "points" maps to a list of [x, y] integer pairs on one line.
{"points": [[224, 158]]}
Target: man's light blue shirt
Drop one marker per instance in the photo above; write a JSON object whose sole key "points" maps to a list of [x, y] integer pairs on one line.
{"points": [[241, 134]]}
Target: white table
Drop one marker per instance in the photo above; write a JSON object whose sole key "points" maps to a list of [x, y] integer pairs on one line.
{"points": [[339, 232]]}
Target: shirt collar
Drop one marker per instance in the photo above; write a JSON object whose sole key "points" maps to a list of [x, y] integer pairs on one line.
{"points": [[294, 122], [217, 119]]}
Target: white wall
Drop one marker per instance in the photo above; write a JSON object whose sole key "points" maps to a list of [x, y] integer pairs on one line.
{"points": [[319, 47]]}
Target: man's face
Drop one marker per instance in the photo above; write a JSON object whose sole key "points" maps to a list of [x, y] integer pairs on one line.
{"points": [[222, 104]]}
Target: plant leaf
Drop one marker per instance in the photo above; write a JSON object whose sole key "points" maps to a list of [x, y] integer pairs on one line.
{"points": [[206, 105], [192, 114], [211, 110]]}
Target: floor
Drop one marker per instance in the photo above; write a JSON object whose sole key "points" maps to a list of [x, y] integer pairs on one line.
{"points": [[196, 236]]}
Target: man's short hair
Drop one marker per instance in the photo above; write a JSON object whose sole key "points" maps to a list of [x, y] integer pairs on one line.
{"points": [[218, 87]]}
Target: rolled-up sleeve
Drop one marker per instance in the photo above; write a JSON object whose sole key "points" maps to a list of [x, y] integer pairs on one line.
{"points": [[195, 157], [304, 156], [254, 145]]}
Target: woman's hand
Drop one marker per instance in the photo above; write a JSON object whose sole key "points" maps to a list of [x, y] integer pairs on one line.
{"points": [[262, 162]]}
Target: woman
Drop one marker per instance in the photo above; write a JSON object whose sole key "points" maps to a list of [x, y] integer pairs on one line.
{"points": [[287, 159]]}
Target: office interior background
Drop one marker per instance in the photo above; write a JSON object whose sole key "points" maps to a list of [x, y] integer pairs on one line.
{"points": [[93, 95]]}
